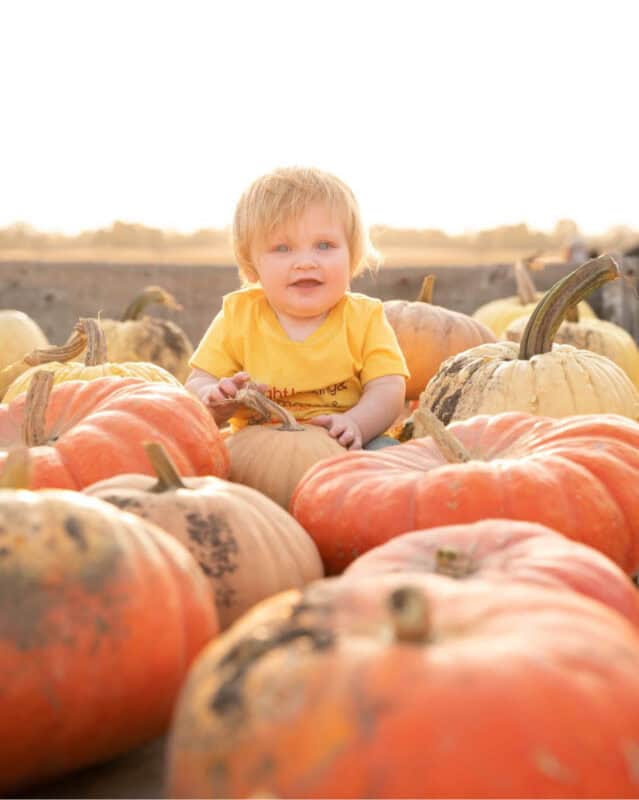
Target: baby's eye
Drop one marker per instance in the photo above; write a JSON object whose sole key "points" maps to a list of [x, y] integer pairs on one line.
{"points": [[281, 248], [324, 245]]}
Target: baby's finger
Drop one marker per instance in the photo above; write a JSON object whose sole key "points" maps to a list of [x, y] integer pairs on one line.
{"points": [[227, 387]]}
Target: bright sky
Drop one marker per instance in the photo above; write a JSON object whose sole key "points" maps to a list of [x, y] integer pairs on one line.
{"points": [[448, 114]]}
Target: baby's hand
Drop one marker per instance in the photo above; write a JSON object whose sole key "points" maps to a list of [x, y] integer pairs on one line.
{"points": [[342, 428], [223, 392]]}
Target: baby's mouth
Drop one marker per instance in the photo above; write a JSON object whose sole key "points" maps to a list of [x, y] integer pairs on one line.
{"points": [[306, 283]]}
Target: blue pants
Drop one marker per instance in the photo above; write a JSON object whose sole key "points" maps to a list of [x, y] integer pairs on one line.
{"points": [[380, 441]]}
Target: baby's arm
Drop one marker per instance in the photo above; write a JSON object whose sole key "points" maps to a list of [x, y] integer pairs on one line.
{"points": [[218, 393], [381, 403]]}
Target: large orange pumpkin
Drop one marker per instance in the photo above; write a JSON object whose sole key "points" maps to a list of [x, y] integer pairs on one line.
{"points": [[578, 475], [504, 551], [85, 431], [386, 688], [101, 615]]}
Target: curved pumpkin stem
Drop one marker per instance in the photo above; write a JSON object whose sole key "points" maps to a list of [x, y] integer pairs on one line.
{"points": [[409, 614], [425, 423], [17, 469], [267, 408], [426, 292], [74, 345], [168, 477], [148, 295], [35, 408], [549, 313], [526, 291], [96, 342]]}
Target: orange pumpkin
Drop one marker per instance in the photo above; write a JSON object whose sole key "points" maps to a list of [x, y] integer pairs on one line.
{"points": [[429, 334], [503, 551], [86, 431], [578, 475], [102, 614], [387, 688]]}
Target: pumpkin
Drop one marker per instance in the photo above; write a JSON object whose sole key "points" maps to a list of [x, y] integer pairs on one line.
{"points": [[535, 376], [74, 345], [95, 365], [503, 551], [498, 314], [246, 544], [598, 335], [81, 432], [578, 475], [272, 458], [19, 334], [428, 334], [388, 688], [102, 614], [143, 338]]}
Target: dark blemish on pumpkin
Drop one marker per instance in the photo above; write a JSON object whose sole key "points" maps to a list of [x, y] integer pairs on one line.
{"points": [[122, 502], [447, 409], [455, 366], [245, 655], [4, 551], [215, 537], [225, 596], [74, 529], [25, 604]]}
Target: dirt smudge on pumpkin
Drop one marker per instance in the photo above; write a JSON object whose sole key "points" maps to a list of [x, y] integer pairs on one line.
{"points": [[24, 605], [236, 664], [214, 543], [75, 531]]}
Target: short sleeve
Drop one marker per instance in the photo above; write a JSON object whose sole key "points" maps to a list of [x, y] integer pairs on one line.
{"points": [[214, 353], [382, 354]]}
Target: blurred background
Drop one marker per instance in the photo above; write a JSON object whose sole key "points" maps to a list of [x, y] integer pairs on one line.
{"points": [[472, 133]]}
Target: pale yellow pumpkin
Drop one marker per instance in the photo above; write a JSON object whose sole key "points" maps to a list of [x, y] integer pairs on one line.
{"points": [[498, 314], [272, 458], [19, 334], [94, 366], [144, 338], [247, 545], [429, 334], [535, 376], [598, 335]]}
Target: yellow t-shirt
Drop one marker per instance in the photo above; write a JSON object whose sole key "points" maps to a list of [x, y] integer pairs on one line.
{"points": [[324, 374]]}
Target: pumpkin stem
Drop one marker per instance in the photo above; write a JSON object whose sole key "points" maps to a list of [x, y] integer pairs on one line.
{"points": [[426, 292], [409, 614], [163, 466], [35, 408], [17, 469], [425, 423], [74, 345], [526, 291], [148, 295], [451, 562], [267, 408], [550, 311], [96, 342]]}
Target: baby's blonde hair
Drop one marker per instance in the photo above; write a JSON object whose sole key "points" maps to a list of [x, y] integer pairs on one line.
{"points": [[285, 193]]}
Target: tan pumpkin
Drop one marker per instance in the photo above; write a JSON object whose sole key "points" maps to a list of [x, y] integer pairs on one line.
{"points": [[429, 334], [598, 335], [534, 376], [247, 545], [498, 314], [273, 458], [19, 334], [95, 365], [143, 338]]}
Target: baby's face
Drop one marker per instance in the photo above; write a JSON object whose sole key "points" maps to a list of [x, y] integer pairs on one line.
{"points": [[304, 265]]}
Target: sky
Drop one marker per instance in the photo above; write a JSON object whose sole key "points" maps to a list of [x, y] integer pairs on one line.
{"points": [[451, 114]]}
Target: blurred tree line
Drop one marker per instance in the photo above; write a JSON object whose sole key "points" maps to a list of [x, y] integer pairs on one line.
{"points": [[620, 238]]}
